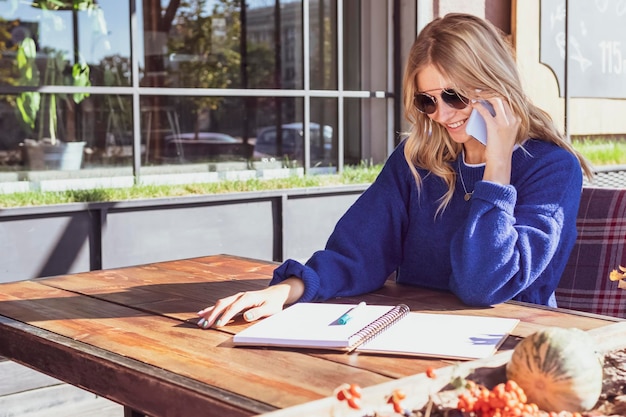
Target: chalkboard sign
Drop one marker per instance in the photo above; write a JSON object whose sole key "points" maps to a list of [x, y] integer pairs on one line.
{"points": [[597, 46]]}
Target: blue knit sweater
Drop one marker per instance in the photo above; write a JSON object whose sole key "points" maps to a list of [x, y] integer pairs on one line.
{"points": [[507, 242]]}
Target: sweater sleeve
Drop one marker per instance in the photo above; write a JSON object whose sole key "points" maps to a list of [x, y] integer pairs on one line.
{"points": [[365, 246], [516, 240]]}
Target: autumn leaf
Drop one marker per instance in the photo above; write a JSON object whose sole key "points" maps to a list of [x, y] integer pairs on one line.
{"points": [[616, 275]]}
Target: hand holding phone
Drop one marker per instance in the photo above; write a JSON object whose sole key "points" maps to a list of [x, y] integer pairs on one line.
{"points": [[476, 125]]}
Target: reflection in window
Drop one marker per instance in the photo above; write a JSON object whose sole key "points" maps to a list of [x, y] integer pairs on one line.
{"points": [[111, 124], [323, 44], [192, 44], [211, 129], [354, 132], [324, 144], [291, 148], [220, 45], [13, 133], [98, 37], [351, 45], [59, 46], [101, 124]]}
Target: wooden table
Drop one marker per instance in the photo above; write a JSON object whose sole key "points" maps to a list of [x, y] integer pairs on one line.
{"points": [[129, 335]]}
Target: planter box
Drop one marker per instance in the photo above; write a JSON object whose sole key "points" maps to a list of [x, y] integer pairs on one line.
{"points": [[69, 238], [121, 177], [62, 155]]}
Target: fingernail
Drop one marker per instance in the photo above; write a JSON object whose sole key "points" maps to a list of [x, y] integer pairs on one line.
{"points": [[248, 316], [205, 324], [201, 322], [218, 322]]}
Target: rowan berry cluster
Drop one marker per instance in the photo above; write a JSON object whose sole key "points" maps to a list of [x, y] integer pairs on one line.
{"points": [[350, 393], [506, 399]]}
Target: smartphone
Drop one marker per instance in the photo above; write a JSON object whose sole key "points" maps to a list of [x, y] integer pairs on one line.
{"points": [[476, 126]]}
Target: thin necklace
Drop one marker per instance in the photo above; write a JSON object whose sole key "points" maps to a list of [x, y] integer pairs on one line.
{"points": [[467, 195]]}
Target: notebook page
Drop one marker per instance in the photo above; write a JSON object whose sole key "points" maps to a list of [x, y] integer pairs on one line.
{"points": [[309, 325], [443, 335]]}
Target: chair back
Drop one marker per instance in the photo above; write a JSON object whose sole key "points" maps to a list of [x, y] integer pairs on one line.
{"points": [[600, 247]]}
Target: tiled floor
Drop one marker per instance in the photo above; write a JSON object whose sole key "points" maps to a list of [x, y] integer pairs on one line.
{"points": [[27, 393]]}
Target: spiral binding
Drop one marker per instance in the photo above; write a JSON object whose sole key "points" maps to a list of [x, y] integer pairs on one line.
{"points": [[376, 327]]}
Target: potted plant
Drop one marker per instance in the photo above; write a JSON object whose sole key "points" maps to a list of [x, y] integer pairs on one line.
{"points": [[39, 112]]}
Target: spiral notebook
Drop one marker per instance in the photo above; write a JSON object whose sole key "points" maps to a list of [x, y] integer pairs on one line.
{"points": [[380, 329]]}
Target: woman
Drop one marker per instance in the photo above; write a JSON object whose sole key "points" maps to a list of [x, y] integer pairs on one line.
{"points": [[488, 223]]}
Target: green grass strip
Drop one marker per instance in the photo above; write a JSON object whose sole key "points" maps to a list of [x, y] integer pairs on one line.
{"points": [[599, 152], [364, 174]]}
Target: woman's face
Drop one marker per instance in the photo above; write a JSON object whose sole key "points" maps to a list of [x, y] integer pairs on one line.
{"points": [[432, 82]]}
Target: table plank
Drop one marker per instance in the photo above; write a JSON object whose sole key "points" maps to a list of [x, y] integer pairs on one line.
{"points": [[174, 288], [116, 377]]}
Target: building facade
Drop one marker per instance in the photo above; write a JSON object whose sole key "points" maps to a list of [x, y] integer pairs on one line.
{"points": [[155, 88]]}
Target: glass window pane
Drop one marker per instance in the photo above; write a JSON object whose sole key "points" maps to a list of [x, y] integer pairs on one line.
{"points": [[36, 116], [366, 130], [323, 44], [98, 37], [181, 130], [273, 44], [353, 129], [105, 43], [204, 44], [14, 131], [100, 127], [324, 132], [352, 44], [108, 131]]}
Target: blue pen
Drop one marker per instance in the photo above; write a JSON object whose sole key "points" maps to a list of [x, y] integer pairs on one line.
{"points": [[350, 313]]}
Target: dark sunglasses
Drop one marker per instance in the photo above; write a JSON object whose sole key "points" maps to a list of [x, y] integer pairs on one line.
{"points": [[427, 104]]}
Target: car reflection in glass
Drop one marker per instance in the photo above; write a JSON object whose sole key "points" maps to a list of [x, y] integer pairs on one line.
{"points": [[205, 146], [266, 146]]}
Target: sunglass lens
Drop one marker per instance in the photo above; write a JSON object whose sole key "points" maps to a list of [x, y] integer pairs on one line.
{"points": [[425, 103], [454, 99]]}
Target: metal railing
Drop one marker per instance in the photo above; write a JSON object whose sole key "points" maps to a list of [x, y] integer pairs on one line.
{"points": [[613, 176]]}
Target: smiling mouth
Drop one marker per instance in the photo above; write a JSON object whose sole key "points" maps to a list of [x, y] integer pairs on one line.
{"points": [[457, 124]]}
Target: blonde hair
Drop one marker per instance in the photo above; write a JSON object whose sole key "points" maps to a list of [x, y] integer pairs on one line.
{"points": [[471, 50]]}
